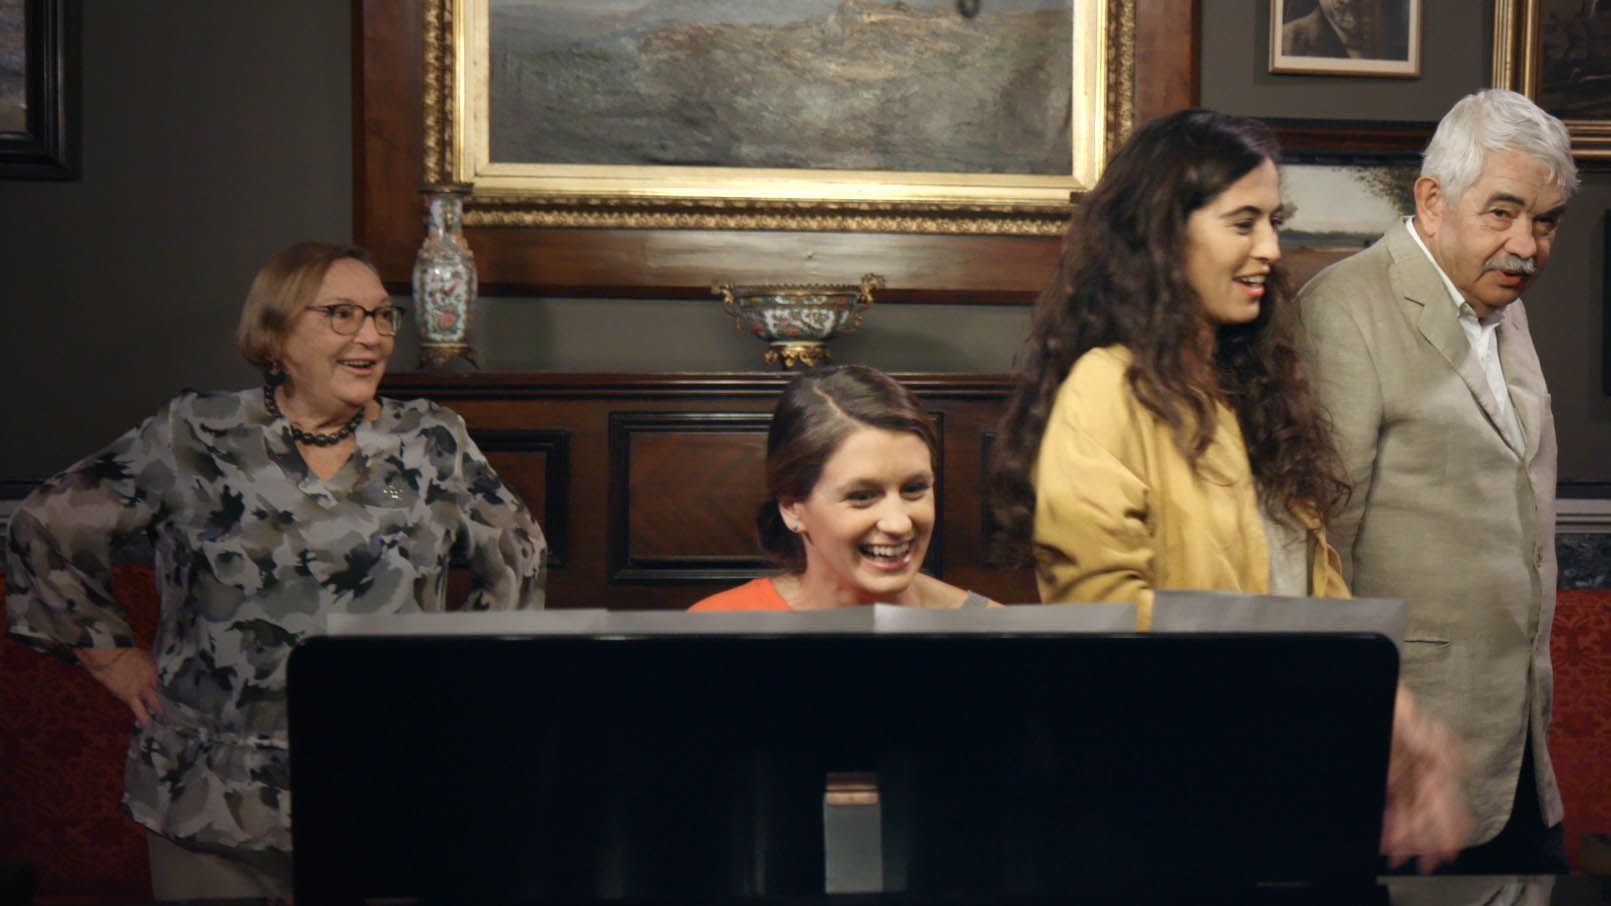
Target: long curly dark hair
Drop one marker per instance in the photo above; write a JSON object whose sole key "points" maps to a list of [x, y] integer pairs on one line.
{"points": [[1120, 281]]}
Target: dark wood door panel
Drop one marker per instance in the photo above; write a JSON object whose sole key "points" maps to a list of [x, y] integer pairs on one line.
{"points": [[693, 495], [683, 494]]}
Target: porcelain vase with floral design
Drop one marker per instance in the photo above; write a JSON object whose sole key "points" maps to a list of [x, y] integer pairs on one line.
{"points": [[444, 282]]}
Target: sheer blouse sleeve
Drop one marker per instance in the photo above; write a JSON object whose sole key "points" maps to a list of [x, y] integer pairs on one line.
{"points": [[498, 539], [62, 538]]}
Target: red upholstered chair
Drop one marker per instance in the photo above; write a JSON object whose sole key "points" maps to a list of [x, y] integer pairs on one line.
{"points": [[63, 740], [1580, 737]]}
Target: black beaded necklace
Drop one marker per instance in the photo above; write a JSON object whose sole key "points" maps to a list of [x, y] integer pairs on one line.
{"points": [[310, 437]]}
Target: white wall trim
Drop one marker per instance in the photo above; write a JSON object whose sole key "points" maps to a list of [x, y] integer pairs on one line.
{"points": [[1582, 516]]}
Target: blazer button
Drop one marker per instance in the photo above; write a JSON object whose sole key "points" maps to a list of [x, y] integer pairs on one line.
{"points": [[1538, 559]]}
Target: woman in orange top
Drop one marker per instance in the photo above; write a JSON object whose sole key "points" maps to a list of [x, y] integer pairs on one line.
{"points": [[850, 499]]}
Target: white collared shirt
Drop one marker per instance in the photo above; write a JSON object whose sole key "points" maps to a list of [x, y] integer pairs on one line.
{"points": [[1484, 341]]}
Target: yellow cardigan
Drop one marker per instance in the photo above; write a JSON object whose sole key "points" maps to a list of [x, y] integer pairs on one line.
{"points": [[1119, 512]]}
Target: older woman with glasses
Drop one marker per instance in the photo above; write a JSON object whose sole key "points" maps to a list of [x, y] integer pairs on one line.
{"points": [[268, 509]]}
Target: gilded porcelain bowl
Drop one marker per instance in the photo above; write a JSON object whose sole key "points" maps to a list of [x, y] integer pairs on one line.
{"points": [[797, 319]]}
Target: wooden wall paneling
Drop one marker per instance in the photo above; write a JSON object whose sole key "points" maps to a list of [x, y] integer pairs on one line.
{"points": [[664, 474], [581, 404], [684, 489], [572, 511], [684, 263], [987, 520], [1168, 56], [536, 465], [388, 115], [965, 541], [934, 559], [1350, 141]]}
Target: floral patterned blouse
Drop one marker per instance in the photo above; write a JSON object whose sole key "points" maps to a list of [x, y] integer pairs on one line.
{"points": [[253, 550]]}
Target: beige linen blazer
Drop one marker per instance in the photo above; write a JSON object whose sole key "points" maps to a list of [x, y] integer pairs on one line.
{"points": [[1445, 513]]}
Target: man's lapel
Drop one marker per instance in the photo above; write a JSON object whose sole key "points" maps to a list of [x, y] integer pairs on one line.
{"points": [[1427, 304]]}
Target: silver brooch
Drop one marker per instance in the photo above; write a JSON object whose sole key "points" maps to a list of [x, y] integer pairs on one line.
{"points": [[393, 493]]}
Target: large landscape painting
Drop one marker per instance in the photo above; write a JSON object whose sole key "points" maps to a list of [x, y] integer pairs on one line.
{"points": [[904, 85]]}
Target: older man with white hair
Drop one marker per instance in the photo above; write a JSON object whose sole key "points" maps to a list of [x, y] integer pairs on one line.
{"points": [[1420, 353]]}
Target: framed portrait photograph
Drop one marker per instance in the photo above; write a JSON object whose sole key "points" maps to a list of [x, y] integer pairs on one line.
{"points": [[1346, 37], [1558, 52], [38, 102]]}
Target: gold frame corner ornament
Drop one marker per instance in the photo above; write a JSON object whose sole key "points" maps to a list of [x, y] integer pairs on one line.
{"points": [[1517, 57], [695, 198]]}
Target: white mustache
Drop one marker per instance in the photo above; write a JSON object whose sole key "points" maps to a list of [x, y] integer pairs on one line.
{"points": [[1511, 262]]}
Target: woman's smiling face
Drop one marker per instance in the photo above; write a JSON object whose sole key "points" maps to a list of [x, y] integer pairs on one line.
{"points": [[1230, 244], [867, 522], [327, 369]]}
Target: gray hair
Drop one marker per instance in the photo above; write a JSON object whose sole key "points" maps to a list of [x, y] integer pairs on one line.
{"points": [[1495, 119]]}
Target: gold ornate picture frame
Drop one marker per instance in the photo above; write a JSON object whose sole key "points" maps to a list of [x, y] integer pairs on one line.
{"points": [[1558, 52], [457, 148]]}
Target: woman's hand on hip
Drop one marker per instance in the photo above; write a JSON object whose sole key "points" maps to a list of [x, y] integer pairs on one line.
{"points": [[128, 673]]}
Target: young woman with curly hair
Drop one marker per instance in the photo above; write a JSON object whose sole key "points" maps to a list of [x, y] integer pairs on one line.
{"points": [[1161, 433]]}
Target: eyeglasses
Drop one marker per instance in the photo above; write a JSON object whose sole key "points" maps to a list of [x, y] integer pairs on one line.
{"points": [[347, 318]]}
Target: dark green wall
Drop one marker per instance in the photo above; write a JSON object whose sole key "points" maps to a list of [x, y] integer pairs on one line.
{"points": [[211, 133], [215, 133]]}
